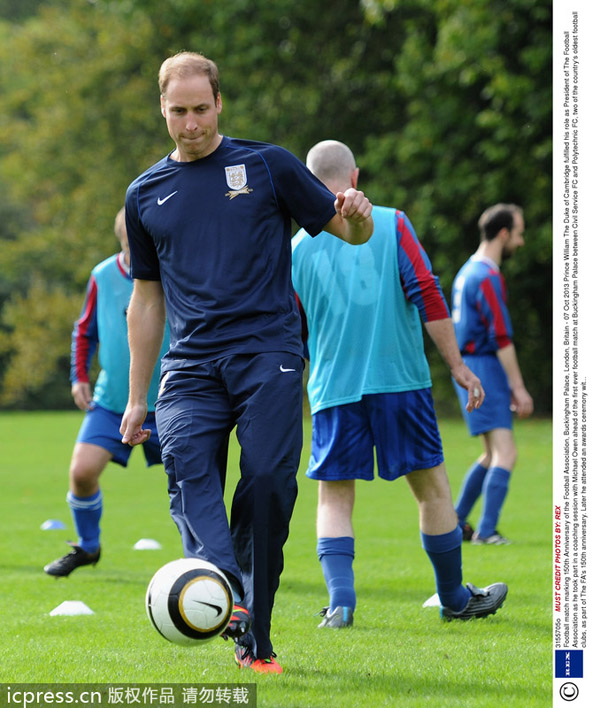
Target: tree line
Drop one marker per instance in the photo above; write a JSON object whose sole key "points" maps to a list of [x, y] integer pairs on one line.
{"points": [[447, 105]]}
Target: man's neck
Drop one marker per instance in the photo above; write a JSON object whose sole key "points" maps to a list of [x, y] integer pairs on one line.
{"points": [[491, 251]]}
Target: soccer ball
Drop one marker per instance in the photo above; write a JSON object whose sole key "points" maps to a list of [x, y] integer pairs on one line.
{"points": [[189, 601]]}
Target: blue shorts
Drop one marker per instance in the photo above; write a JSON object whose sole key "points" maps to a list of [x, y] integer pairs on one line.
{"points": [[101, 427], [401, 426], [495, 410]]}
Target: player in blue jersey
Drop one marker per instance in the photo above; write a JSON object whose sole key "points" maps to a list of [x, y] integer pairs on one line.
{"points": [[369, 386], [103, 326], [485, 338], [210, 229]]}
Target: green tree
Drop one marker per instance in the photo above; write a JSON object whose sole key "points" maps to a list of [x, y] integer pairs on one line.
{"points": [[72, 138], [475, 80], [446, 103], [32, 377], [15, 10]]}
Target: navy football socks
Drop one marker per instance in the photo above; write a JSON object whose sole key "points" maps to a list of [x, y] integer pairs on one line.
{"points": [[445, 554], [336, 556], [470, 490], [495, 490], [87, 512]]}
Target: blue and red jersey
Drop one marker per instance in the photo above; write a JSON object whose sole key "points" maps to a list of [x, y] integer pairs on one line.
{"points": [[363, 307], [479, 308]]}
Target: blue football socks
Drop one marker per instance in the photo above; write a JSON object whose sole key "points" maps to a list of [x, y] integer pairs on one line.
{"points": [[86, 516], [336, 556], [470, 491], [495, 490], [445, 554]]}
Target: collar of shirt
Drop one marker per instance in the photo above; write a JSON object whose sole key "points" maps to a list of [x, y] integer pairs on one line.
{"points": [[484, 259], [124, 267]]}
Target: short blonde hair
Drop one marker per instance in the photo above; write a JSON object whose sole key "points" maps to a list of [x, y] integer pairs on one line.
{"points": [[185, 64]]}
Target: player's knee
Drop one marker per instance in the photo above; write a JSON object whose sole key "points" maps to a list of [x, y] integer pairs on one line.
{"points": [[438, 495], [280, 482], [485, 460], [431, 485], [505, 458], [83, 480]]}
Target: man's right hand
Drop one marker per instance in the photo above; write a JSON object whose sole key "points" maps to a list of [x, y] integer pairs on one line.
{"points": [[82, 395], [131, 425], [521, 402]]}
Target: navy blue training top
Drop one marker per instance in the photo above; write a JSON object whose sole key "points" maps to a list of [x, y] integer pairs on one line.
{"points": [[216, 232]]}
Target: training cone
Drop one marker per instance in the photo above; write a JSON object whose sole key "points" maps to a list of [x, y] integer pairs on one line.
{"points": [[147, 544], [52, 525], [71, 607], [433, 601]]}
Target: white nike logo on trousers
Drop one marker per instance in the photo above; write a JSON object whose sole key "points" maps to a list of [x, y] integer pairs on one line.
{"points": [[284, 370], [160, 201]]}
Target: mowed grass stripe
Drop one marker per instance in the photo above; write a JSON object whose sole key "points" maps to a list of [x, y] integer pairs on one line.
{"points": [[397, 654]]}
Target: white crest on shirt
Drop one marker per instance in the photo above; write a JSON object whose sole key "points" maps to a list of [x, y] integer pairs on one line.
{"points": [[237, 180], [236, 176]]}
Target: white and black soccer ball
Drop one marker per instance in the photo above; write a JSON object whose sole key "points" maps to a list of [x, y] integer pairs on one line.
{"points": [[189, 601]]}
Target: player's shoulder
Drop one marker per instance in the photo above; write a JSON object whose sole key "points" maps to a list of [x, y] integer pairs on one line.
{"points": [[488, 271], [388, 214], [104, 265], [157, 169], [251, 145], [480, 267], [268, 152], [387, 211], [478, 271], [393, 224]]}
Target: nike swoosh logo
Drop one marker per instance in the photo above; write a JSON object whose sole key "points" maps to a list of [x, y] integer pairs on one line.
{"points": [[216, 608], [160, 201], [284, 370]]}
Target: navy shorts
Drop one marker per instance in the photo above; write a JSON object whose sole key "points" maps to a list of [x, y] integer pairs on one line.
{"points": [[401, 426], [101, 427], [495, 410]]}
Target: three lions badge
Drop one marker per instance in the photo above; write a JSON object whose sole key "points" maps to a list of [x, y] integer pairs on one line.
{"points": [[237, 181]]}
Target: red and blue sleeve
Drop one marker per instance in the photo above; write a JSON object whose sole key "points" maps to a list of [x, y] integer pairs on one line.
{"points": [[420, 285], [84, 339], [491, 303]]}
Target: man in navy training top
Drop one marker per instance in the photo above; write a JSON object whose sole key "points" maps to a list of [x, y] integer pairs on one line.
{"points": [[484, 333], [210, 235], [102, 325], [370, 386]]}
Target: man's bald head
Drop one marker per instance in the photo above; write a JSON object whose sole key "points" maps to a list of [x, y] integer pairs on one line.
{"points": [[334, 164]]}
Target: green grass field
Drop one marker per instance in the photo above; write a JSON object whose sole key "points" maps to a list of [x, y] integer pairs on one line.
{"points": [[397, 654]]}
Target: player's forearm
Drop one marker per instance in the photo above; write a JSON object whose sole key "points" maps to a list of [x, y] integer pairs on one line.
{"points": [[352, 232], [358, 232], [144, 355], [146, 327], [442, 333], [508, 359]]}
